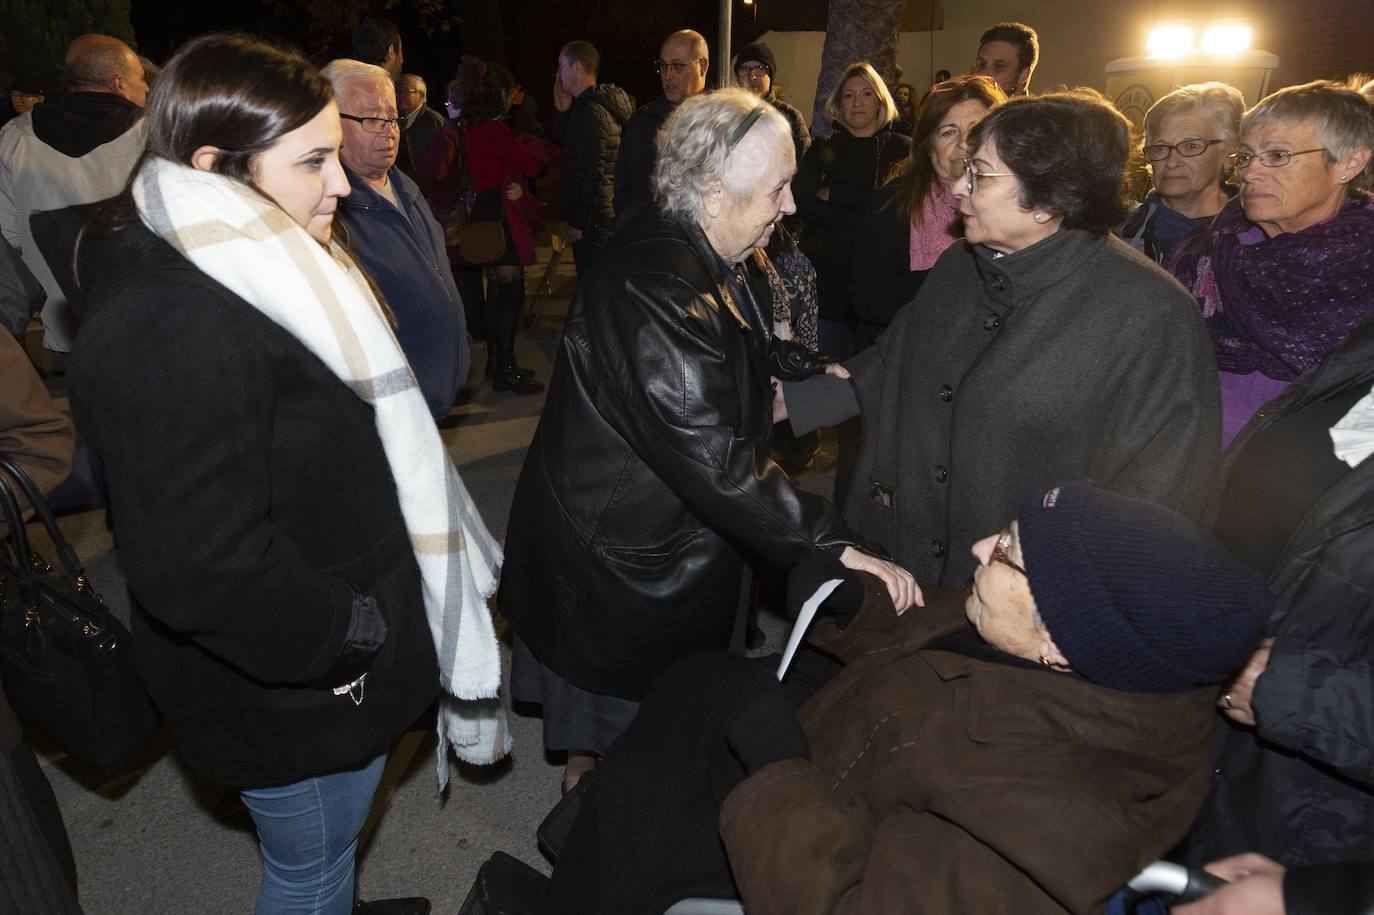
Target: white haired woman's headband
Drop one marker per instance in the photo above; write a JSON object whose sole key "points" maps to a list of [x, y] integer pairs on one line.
{"points": [[743, 128]]}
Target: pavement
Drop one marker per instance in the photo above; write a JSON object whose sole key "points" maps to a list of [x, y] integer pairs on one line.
{"points": [[157, 838]]}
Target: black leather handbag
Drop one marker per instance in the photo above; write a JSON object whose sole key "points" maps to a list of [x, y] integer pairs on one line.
{"points": [[64, 658]]}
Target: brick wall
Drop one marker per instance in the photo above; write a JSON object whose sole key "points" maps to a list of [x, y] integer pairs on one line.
{"points": [[1318, 39]]}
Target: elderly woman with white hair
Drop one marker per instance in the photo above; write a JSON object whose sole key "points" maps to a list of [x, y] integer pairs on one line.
{"points": [[1189, 135], [1283, 273], [648, 488]]}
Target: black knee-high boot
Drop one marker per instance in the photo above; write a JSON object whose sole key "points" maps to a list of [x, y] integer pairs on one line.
{"points": [[509, 375]]}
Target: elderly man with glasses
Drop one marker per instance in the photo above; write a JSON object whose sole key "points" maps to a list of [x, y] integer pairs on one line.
{"points": [[682, 64], [394, 235]]}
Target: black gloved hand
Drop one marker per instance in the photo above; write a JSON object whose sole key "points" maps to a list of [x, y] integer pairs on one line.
{"points": [[791, 361], [844, 602], [763, 729]]}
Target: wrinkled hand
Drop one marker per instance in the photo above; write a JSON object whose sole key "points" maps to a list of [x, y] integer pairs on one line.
{"points": [[901, 586], [1256, 888], [837, 370], [779, 405], [514, 191], [571, 233], [1237, 698], [562, 100]]}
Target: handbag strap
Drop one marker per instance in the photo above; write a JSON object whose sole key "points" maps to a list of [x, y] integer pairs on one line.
{"points": [[21, 571], [72, 569]]}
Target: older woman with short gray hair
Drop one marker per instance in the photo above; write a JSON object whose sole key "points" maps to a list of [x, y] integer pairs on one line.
{"points": [[648, 483], [1189, 135], [1283, 273]]}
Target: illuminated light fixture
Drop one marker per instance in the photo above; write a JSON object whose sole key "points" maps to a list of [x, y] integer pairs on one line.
{"points": [[1170, 41], [751, 3], [1226, 39]]}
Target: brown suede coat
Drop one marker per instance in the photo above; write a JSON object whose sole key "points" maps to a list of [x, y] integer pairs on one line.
{"points": [[940, 783]]}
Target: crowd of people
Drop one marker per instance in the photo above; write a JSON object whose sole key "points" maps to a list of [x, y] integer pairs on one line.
{"points": [[1103, 505]]}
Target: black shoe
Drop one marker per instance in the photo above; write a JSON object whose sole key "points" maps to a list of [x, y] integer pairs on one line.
{"points": [[508, 378], [405, 905], [490, 372]]}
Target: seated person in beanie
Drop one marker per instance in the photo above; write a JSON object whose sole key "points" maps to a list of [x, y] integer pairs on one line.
{"points": [[1027, 745]]}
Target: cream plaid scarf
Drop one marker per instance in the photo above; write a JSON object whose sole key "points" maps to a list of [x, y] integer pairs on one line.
{"points": [[237, 237]]}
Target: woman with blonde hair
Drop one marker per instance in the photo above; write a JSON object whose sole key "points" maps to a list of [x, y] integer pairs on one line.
{"points": [[834, 188]]}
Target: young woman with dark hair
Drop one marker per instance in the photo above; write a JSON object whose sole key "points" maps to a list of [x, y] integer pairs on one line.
{"points": [[281, 497]]}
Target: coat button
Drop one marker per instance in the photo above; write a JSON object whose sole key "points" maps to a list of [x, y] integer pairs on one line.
{"points": [[997, 283], [946, 393], [937, 548], [992, 322], [941, 473]]}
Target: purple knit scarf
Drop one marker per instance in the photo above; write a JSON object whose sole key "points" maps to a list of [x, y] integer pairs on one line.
{"points": [[1277, 305]]}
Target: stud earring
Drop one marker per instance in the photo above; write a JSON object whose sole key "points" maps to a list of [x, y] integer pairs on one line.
{"points": [[1040, 217]]}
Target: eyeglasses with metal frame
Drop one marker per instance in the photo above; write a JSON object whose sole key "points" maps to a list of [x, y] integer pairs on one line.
{"points": [[1270, 158], [1188, 148], [1001, 552], [675, 66], [971, 177]]}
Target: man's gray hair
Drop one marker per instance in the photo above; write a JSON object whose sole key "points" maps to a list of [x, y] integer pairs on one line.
{"points": [[347, 76], [694, 146], [1221, 102], [1343, 118]]}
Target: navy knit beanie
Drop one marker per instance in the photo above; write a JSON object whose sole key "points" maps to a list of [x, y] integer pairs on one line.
{"points": [[757, 51], [1137, 597]]}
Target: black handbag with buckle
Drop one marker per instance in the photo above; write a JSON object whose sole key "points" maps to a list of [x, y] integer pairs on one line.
{"points": [[64, 658]]}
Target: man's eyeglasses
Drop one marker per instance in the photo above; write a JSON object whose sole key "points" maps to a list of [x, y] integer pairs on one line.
{"points": [[1001, 552], [749, 71], [1188, 148], [675, 66], [971, 177], [1270, 158], [372, 125]]}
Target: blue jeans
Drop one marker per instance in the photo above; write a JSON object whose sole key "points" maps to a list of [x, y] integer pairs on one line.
{"points": [[308, 833]]}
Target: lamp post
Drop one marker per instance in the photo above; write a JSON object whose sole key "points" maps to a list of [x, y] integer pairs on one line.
{"points": [[723, 43]]}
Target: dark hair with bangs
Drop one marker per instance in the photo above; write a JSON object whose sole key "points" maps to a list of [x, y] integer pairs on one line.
{"points": [[919, 175], [1069, 150]]}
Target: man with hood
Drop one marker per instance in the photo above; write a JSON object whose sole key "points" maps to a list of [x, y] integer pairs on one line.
{"points": [[77, 148], [590, 120]]}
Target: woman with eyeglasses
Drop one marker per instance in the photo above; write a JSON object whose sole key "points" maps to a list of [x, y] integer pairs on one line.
{"points": [[1189, 135], [1043, 347], [834, 188], [1284, 272], [1026, 744]]}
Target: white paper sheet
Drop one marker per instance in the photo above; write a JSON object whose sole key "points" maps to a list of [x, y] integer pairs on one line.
{"points": [[808, 613]]}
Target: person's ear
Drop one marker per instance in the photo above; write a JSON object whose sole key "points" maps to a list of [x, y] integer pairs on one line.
{"points": [[704, 65], [714, 198], [1353, 165], [205, 158], [1050, 652]]}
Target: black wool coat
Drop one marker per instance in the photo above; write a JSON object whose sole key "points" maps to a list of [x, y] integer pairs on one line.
{"points": [[249, 490], [1074, 358], [852, 169]]}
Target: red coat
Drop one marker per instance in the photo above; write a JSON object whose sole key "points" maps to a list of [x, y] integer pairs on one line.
{"points": [[495, 157]]}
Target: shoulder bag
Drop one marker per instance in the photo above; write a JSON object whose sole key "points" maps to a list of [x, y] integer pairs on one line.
{"points": [[479, 231], [64, 658]]}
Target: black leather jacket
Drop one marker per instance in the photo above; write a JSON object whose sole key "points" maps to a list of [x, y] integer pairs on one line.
{"points": [[1299, 787], [648, 479]]}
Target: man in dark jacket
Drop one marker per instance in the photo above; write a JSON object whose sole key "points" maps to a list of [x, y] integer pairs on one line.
{"points": [[77, 148], [420, 123], [754, 69], [396, 237], [588, 128], [682, 65]]}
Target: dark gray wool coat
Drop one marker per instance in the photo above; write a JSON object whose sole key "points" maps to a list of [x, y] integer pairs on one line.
{"points": [[1074, 358]]}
